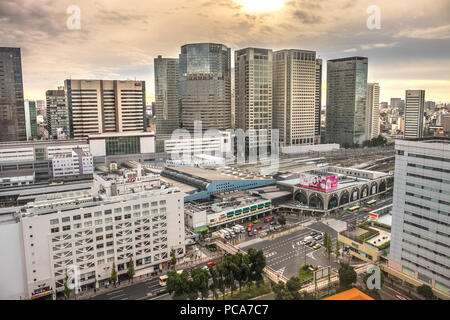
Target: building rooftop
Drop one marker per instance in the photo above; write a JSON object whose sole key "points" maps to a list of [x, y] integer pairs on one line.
{"points": [[121, 134], [41, 143], [352, 294], [225, 204], [209, 175], [84, 199]]}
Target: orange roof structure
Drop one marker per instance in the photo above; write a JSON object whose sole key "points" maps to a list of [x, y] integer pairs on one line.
{"points": [[352, 294]]}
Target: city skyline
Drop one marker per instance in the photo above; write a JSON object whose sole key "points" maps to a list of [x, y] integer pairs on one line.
{"points": [[404, 53]]}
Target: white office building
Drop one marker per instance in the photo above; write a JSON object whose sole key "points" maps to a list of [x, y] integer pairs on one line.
{"points": [[372, 111], [77, 162], [420, 238], [414, 113], [92, 230]]}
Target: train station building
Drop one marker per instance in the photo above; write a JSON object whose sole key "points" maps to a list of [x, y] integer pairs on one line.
{"points": [[328, 189]]}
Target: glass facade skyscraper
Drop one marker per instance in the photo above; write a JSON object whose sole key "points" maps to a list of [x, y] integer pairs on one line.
{"points": [[12, 109], [205, 86], [30, 119], [346, 100], [167, 74]]}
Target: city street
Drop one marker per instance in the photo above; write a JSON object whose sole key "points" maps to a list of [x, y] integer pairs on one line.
{"points": [[286, 254]]}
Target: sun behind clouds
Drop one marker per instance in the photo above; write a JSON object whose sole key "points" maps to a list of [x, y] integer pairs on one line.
{"points": [[261, 5]]}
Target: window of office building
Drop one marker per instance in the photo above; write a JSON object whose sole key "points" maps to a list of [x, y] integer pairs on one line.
{"points": [[122, 145]]}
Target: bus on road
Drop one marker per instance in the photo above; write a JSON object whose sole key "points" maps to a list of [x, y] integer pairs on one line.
{"points": [[268, 219], [370, 203], [353, 209], [163, 280]]}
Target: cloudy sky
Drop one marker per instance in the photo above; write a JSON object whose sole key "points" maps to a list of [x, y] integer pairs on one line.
{"points": [[119, 39]]}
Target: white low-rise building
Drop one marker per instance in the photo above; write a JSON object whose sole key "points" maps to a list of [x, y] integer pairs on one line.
{"points": [[77, 162], [91, 231]]}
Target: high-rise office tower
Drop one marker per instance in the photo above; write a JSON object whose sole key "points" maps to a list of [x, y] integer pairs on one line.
{"points": [[233, 100], [372, 110], [99, 106], [414, 113], [346, 100], [318, 113], [294, 96], [12, 109], [205, 86], [57, 113], [30, 119], [420, 235], [253, 92], [40, 108], [167, 74]]}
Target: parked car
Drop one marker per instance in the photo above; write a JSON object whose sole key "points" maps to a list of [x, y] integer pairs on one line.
{"points": [[318, 237], [317, 246], [313, 233], [259, 228], [250, 233], [311, 244], [256, 221]]}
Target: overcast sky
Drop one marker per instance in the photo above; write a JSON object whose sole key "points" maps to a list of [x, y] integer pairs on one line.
{"points": [[119, 39]]}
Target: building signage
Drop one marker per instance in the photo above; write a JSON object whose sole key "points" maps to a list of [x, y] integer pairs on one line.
{"points": [[318, 182]]}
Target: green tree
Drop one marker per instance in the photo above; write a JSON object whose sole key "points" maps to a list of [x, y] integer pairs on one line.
{"points": [[240, 268], [200, 279], [282, 220], [113, 276], [328, 244], [347, 276], [293, 285], [288, 291], [173, 259], [221, 270], [131, 271], [67, 291], [426, 291], [180, 286], [215, 281], [257, 262], [278, 289]]}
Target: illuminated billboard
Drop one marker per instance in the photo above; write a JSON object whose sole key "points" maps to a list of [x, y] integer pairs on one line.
{"points": [[318, 182]]}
